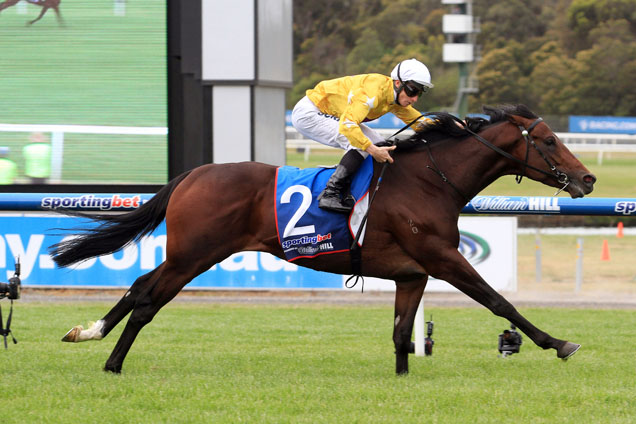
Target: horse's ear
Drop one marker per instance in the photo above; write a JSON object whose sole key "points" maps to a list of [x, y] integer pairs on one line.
{"points": [[496, 114], [488, 110], [519, 110], [511, 118], [476, 124], [514, 119]]}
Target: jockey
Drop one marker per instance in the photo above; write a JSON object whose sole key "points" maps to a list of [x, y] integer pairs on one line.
{"points": [[333, 113]]}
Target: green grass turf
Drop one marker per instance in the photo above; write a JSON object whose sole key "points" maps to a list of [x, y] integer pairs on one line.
{"points": [[314, 363]]}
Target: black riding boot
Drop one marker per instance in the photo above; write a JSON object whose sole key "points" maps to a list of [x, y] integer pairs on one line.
{"points": [[336, 197]]}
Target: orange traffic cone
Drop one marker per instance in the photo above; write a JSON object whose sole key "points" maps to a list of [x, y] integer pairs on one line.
{"points": [[619, 233], [605, 256]]}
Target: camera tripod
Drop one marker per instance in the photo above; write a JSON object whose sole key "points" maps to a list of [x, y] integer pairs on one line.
{"points": [[7, 331]]}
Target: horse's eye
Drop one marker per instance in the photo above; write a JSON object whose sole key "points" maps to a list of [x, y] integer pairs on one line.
{"points": [[550, 141]]}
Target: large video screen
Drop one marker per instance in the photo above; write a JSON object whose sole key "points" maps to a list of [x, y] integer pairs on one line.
{"points": [[83, 92]]}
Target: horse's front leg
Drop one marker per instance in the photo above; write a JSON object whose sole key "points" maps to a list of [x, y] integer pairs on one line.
{"points": [[452, 267], [407, 298]]}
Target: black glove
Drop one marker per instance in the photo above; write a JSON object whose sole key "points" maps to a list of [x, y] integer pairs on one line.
{"points": [[385, 143], [476, 124]]}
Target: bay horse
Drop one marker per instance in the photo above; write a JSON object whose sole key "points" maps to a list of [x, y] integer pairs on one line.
{"points": [[216, 210], [44, 4]]}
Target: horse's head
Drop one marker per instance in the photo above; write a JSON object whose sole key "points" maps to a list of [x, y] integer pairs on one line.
{"points": [[548, 160]]}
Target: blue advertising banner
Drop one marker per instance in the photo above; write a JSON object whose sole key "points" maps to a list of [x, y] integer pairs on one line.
{"points": [[603, 124], [536, 205], [28, 238], [489, 244], [606, 206]]}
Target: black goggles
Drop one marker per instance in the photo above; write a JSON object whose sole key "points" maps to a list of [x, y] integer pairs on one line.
{"points": [[412, 88]]}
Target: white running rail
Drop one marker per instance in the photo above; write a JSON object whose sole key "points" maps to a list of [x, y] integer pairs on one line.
{"points": [[57, 137]]}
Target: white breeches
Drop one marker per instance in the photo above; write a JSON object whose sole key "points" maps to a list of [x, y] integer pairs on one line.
{"points": [[316, 125]]}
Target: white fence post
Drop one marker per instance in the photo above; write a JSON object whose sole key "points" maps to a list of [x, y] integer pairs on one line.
{"points": [[119, 8], [579, 265], [537, 257], [57, 155], [418, 329], [21, 7]]}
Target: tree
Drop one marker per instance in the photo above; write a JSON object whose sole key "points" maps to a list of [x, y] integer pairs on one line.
{"points": [[585, 15], [550, 79], [561, 57], [603, 76], [501, 79], [512, 20], [335, 38]]}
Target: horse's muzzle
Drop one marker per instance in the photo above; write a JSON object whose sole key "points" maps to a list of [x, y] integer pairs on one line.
{"points": [[582, 186]]}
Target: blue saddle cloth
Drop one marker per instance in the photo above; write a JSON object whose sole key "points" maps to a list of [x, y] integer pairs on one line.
{"points": [[305, 230]]}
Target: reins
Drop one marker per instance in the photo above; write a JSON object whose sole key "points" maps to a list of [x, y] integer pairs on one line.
{"points": [[441, 174]]}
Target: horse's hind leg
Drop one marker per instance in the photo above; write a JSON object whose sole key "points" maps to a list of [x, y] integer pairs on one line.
{"points": [[101, 328], [407, 299], [60, 21], [44, 9], [169, 283]]}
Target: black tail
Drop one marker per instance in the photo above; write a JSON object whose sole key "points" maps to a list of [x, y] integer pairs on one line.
{"points": [[115, 231]]}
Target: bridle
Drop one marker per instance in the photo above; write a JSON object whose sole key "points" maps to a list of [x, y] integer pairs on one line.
{"points": [[555, 173], [560, 176]]}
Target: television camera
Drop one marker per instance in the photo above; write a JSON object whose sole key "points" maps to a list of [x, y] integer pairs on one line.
{"points": [[510, 341], [428, 341]]}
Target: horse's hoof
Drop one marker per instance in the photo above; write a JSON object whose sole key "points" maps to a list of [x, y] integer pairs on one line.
{"points": [[567, 350], [112, 369], [73, 334]]}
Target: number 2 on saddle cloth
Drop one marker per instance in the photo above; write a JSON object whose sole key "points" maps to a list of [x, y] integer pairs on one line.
{"points": [[305, 230]]}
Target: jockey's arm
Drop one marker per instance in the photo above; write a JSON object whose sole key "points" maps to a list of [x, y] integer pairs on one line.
{"points": [[350, 120]]}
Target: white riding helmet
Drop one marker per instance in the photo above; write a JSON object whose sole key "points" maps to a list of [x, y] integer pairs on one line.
{"points": [[412, 70]]}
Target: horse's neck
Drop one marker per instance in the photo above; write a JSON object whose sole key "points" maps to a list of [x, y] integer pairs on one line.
{"points": [[468, 165], [488, 164]]}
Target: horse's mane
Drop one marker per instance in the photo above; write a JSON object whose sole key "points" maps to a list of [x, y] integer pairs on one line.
{"points": [[447, 124], [502, 112]]}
